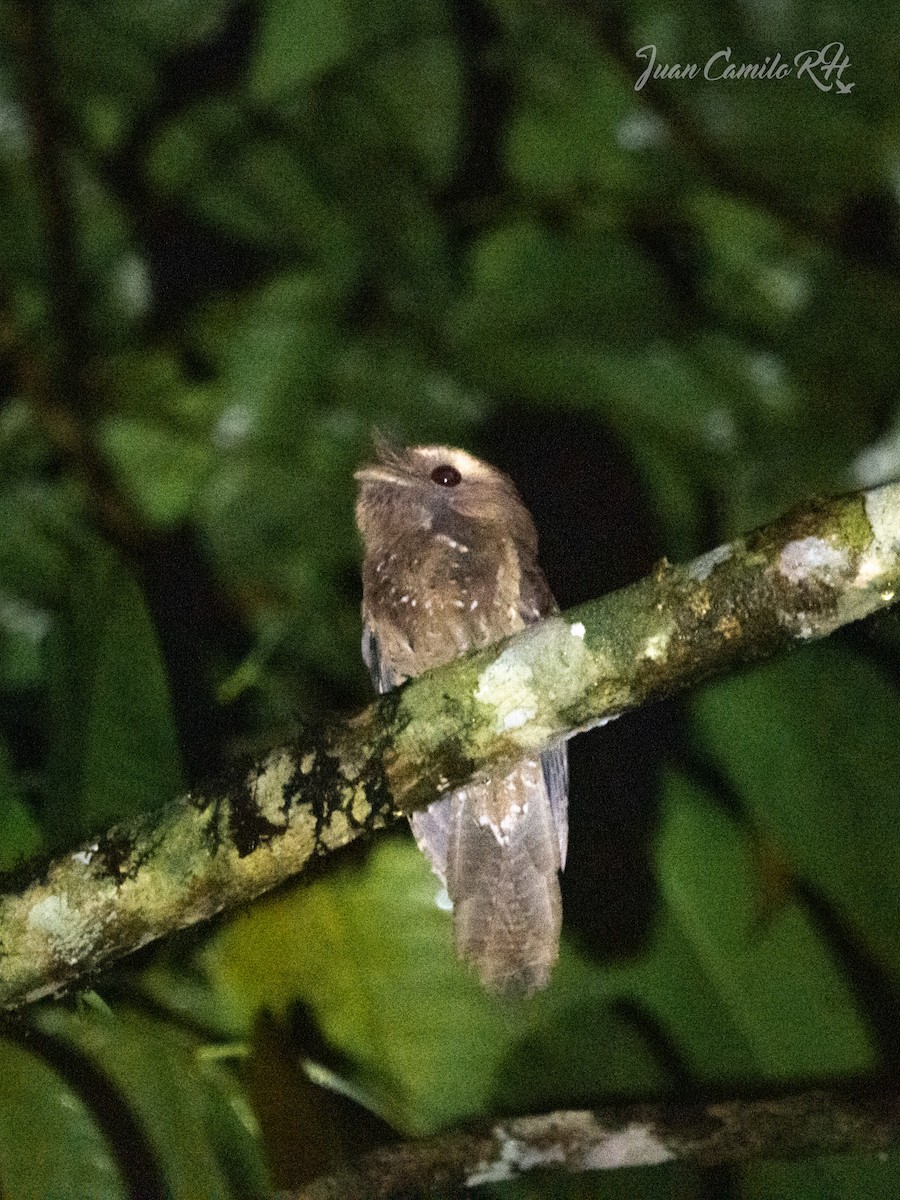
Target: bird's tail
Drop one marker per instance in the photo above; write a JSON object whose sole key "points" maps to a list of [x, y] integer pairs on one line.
{"points": [[503, 859]]}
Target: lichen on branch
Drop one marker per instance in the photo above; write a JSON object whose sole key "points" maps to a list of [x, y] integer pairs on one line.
{"points": [[731, 1131]]}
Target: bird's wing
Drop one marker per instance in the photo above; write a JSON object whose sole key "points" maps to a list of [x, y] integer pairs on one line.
{"points": [[384, 677], [555, 764], [536, 603], [430, 826], [431, 829]]}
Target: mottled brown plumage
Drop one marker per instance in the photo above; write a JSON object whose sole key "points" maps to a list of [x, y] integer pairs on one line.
{"points": [[450, 565]]}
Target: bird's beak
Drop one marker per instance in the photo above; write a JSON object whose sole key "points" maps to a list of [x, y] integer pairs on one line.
{"points": [[372, 474], [376, 473]]}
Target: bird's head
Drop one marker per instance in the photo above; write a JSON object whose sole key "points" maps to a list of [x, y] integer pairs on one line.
{"points": [[433, 488]]}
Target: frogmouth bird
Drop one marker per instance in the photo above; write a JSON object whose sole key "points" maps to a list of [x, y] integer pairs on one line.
{"points": [[451, 565]]}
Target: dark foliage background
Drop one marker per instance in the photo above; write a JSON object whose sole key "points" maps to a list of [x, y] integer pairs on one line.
{"points": [[234, 237]]}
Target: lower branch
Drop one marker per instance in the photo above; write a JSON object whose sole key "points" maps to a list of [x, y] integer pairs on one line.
{"points": [[796, 579], [729, 1132]]}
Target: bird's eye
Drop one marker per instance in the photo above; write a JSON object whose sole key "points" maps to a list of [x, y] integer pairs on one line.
{"points": [[446, 475]]}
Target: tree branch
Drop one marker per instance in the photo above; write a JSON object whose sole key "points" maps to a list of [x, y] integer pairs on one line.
{"points": [[734, 1131], [799, 578]]}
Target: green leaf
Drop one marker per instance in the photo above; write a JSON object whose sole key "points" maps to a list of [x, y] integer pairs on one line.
{"points": [[114, 751], [276, 359], [773, 974], [419, 86], [23, 627], [162, 469], [32, 563], [201, 1132], [567, 135], [50, 1146], [256, 186], [369, 952], [169, 24], [555, 316], [842, 1176], [20, 835], [810, 743], [298, 43], [670, 986], [530, 281], [753, 272]]}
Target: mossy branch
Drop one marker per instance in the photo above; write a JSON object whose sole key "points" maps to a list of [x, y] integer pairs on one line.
{"points": [[799, 578]]}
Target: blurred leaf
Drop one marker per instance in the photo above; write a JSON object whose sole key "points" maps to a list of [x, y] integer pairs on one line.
{"points": [[774, 975], [276, 357], [254, 183], [844, 1177], [544, 315], [120, 286], [528, 281], [234, 1133], [757, 276], [34, 514], [20, 227], [298, 43], [177, 987], [670, 990], [159, 434], [577, 129], [20, 835], [673, 488], [419, 85], [163, 470], [99, 57], [152, 384], [810, 743], [114, 752], [23, 627], [201, 1133], [166, 24], [50, 1146]]}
